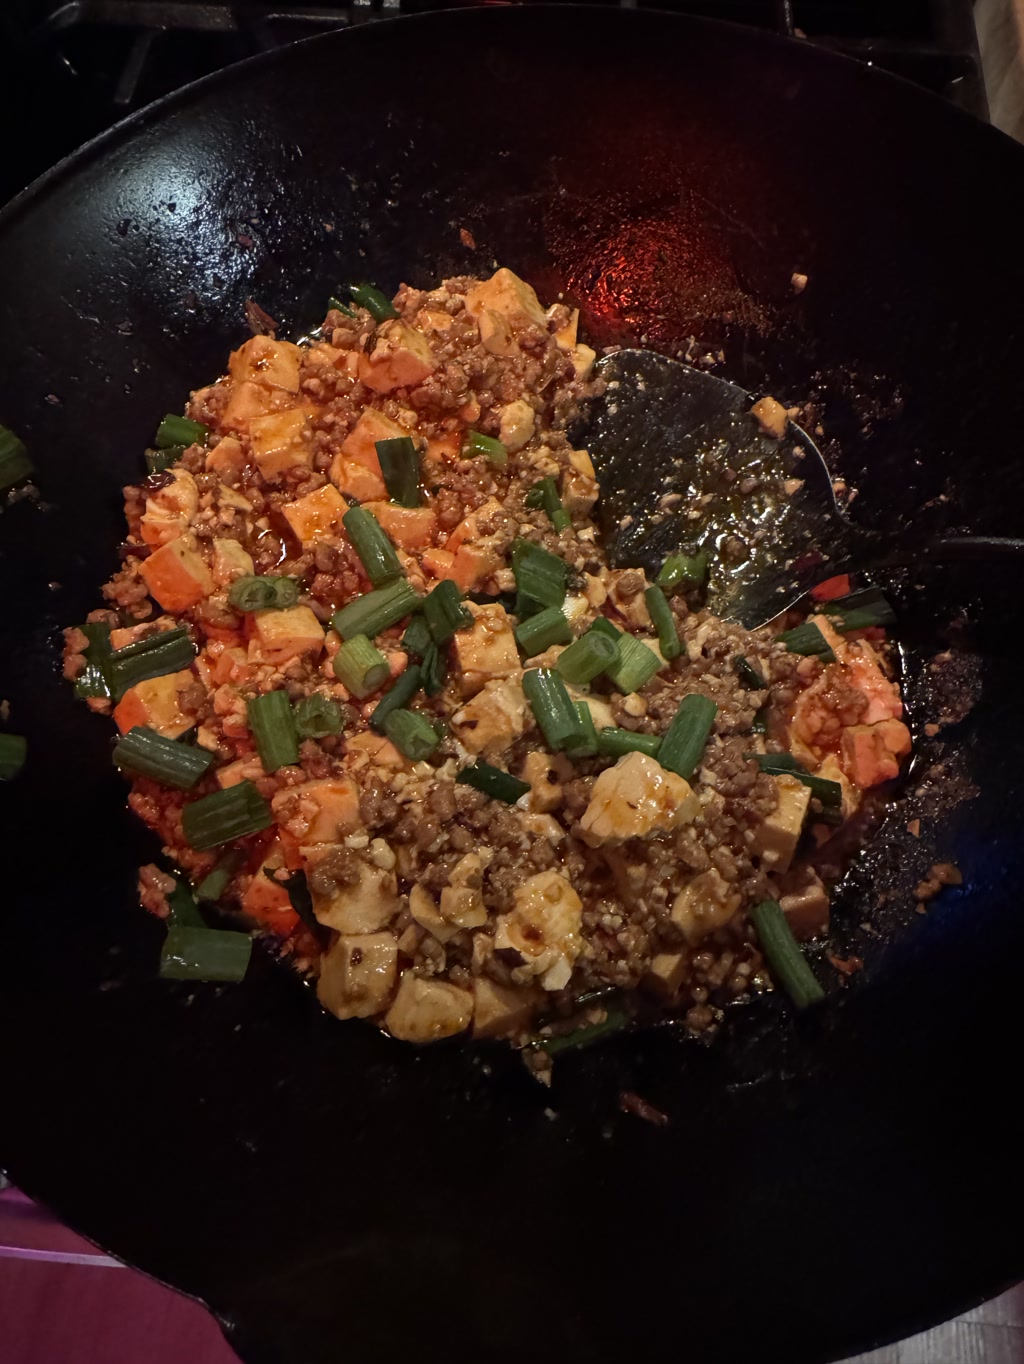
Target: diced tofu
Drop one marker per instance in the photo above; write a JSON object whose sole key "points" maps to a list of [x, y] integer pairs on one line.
{"points": [[408, 527], [866, 756], [771, 416], [176, 575], [423, 908], [401, 358], [501, 1010], [367, 905], [434, 320], [427, 1010], [462, 901], [361, 442], [635, 798], [509, 295], [517, 422], [496, 334], [355, 480], [583, 359], [374, 749], [226, 460], [541, 771], [582, 463], [565, 337], [487, 650], [438, 562], [230, 561], [832, 771], [279, 441], [156, 703], [358, 975], [319, 811], [286, 634], [667, 972], [776, 837], [248, 400], [317, 516], [494, 718], [472, 563], [170, 509], [806, 909], [242, 769], [706, 903], [545, 928], [262, 360], [545, 827], [266, 900]]}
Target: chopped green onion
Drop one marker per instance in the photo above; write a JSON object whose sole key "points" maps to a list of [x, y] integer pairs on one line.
{"points": [[759, 724], [830, 793], [92, 680], [417, 638], [378, 305], [158, 461], [540, 577], [174, 430], [263, 594], [616, 1021], [860, 610], [215, 883], [553, 708], [404, 689], [302, 903], [400, 466], [540, 632], [13, 748], [479, 444], [444, 612], [377, 610], [784, 956], [747, 673], [146, 753], [272, 722], [361, 667], [807, 639], [183, 912], [336, 305], [412, 734], [434, 671], [687, 735], [634, 665], [587, 746], [544, 494], [317, 717], [375, 550], [14, 461], [225, 815], [682, 570], [664, 622], [615, 743], [204, 954], [587, 657], [168, 651], [493, 782]]}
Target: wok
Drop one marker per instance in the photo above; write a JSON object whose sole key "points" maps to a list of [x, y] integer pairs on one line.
{"points": [[825, 1183]]}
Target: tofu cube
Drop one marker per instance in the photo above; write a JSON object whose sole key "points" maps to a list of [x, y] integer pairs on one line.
{"points": [[317, 516], [355, 480], [263, 360], [176, 575], [401, 358], [408, 527], [708, 902], [492, 720], [365, 906], [509, 295], [423, 908], [248, 400], [358, 975], [427, 1010], [635, 798], [517, 422], [667, 973], [777, 836], [501, 1010], [806, 909], [226, 460], [266, 900], [545, 928], [156, 703], [279, 441], [361, 442], [230, 561], [287, 634], [496, 334], [487, 650], [319, 811]]}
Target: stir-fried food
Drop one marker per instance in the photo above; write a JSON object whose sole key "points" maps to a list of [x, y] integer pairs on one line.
{"points": [[381, 695]]}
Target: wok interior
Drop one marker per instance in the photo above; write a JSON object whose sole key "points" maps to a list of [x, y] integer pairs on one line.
{"points": [[821, 1183]]}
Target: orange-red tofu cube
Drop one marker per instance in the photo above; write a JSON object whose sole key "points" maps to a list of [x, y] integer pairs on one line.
{"points": [[262, 360], [279, 441], [332, 807], [156, 703], [176, 575], [286, 634], [512, 297], [401, 358], [266, 900], [361, 442], [355, 480], [226, 460], [248, 400], [409, 527], [317, 516]]}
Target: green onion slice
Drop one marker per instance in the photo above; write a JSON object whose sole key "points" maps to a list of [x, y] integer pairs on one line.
{"points": [[807, 639], [396, 697], [634, 665], [417, 639], [682, 571], [587, 746], [434, 671], [168, 651], [270, 593], [377, 610], [92, 680], [542, 631], [747, 673], [146, 753], [13, 748], [615, 743], [158, 461], [378, 305], [479, 444], [225, 815], [784, 956], [317, 717], [337, 306], [684, 743], [859, 610], [553, 708], [444, 611], [583, 660], [216, 882], [830, 793], [174, 430], [664, 622], [211, 954], [375, 550], [361, 667], [540, 577], [400, 466], [615, 1021], [412, 734], [544, 495], [493, 782], [272, 722], [15, 464]]}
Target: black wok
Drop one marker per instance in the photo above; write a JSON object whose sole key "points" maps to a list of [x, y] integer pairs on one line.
{"points": [[825, 1183]]}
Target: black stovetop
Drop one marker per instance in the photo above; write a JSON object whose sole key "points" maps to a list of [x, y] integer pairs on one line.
{"points": [[76, 66]]}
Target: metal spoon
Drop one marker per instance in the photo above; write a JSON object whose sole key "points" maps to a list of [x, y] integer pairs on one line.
{"points": [[682, 462]]}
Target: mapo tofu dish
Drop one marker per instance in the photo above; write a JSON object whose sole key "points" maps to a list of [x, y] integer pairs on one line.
{"points": [[385, 703]]}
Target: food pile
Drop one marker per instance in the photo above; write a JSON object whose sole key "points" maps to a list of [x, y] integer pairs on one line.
{"points": [[381, 695]]}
